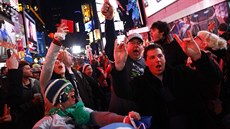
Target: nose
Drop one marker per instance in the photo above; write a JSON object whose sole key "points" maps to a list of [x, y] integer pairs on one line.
{"points": [[157, 58]]}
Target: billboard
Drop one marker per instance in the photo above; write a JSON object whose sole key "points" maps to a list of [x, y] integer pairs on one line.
{"points": [[31, 34], [153, 6], [89, 26], [200, 20], [41, 44], [129, 15], [7, 32], [7, 36]]}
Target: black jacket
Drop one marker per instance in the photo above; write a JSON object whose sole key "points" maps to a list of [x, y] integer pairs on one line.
{"points": [[83, 86], [23, 111], [176, 102], [173, 52]]}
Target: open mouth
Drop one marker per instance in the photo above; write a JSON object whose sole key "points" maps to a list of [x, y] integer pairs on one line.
{"points": [[60, 67], [158, 66], [72, 96], [135, 51]]}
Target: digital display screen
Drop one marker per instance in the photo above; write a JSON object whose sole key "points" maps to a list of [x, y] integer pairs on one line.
{"points": [[89, 26], [7, 31], [31, 33], [130, 14], [153, 6], [7, 36]]}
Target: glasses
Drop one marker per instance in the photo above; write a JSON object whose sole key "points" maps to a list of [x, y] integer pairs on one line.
{"points": [[139, 43], [197, 37]]}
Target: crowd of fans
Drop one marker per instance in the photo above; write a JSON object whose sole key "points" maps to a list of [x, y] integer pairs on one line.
{"points": [[177, 83]]}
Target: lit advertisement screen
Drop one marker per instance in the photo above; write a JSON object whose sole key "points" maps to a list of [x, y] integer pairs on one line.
{"points": [[130, 14], [41, 44], [7, 32], [22, 30], [31, 33], [153, 6], [89, 26], [14, 3], [19, 31]]}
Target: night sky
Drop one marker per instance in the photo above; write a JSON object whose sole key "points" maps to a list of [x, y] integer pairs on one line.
{"points": [[70, 9]]}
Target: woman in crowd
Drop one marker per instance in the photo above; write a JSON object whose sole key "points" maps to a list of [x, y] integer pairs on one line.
{"points": [[99, 97]]}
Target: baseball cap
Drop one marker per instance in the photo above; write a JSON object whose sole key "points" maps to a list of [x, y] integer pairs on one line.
{"points": [[134, 36]]}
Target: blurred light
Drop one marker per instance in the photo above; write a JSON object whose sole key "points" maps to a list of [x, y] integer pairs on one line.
{"points": [[76, 49], [35, 60], [77, 27], [195, 15], [206, 12], [35, 8]]}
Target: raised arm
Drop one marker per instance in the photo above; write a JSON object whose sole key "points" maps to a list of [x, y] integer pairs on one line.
{"points": [[189, 46], [206, 69], [110, 36], [51, 56], [120, 55]]}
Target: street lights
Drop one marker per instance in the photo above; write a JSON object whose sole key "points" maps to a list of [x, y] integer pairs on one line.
{"points": [[76, 49]]}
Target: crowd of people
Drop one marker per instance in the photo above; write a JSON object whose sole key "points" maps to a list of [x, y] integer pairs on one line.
{"points": [[175, 83]]}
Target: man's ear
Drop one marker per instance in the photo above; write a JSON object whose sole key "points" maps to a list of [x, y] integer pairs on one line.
{"points": [[161, 34]]}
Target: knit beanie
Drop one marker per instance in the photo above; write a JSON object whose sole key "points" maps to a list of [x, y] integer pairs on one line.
{"points": [[57, 91], [84, 67]]}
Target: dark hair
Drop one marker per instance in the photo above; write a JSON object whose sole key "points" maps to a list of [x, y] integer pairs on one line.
{"points": [[223, 27], [161, 26], [1, 22], [3, 69], [22, 64], [151, 47]]}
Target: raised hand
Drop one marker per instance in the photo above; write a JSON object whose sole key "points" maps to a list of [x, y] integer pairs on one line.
{"points": [[62, 30], [189, 46], [120, 55], [6, 115], [107, 10], [12, 62], [211, 26]]}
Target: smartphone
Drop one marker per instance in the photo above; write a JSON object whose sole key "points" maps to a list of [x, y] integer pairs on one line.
{"points": [[69, 23], [120, 39], [8, 53]]}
